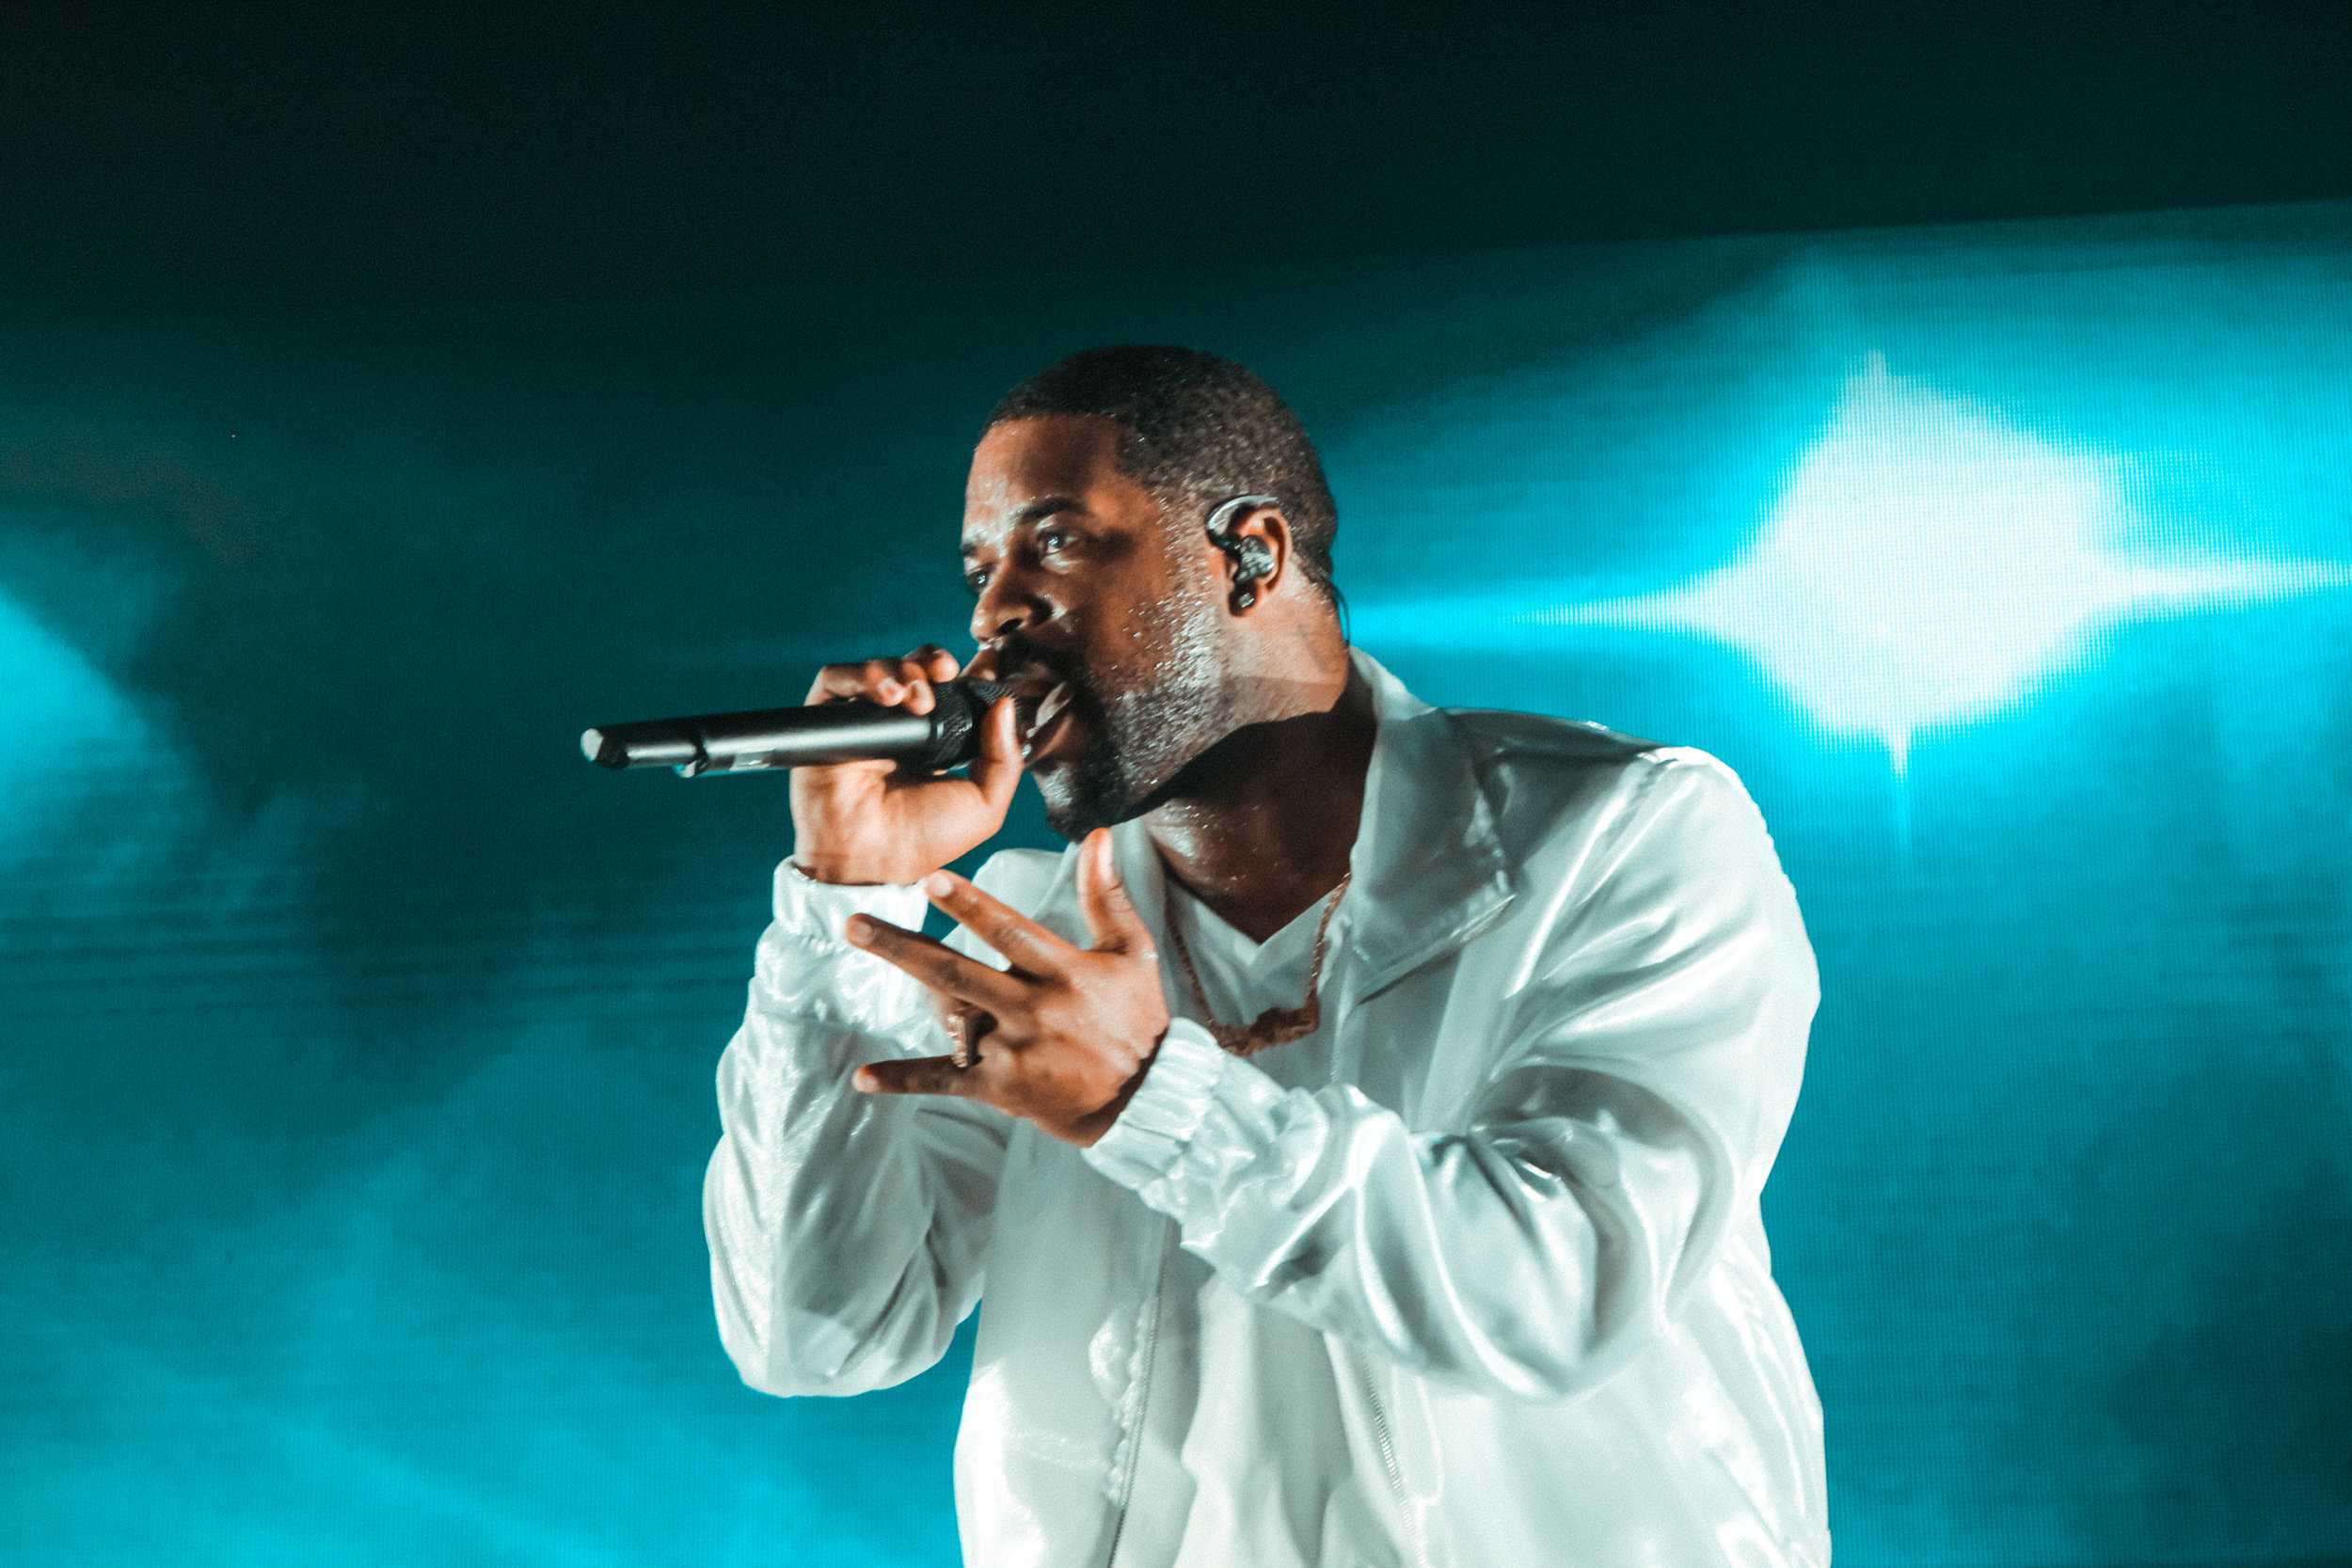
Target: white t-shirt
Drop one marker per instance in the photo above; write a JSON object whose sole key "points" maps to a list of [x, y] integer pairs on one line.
{"points": [[1207, 1423]]}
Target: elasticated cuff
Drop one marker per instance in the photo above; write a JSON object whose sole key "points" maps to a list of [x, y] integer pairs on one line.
{"points": [[815, 910], [1167, 1108], [805, 965]]}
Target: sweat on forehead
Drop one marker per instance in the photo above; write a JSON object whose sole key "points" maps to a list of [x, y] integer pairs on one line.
{"points": [[1026, 470]]}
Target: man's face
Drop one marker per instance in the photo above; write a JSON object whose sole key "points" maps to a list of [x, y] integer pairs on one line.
{"points": [[1081, 579]]}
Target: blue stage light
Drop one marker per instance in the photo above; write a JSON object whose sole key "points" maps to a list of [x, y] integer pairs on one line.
{"points": [[1927, 563]]}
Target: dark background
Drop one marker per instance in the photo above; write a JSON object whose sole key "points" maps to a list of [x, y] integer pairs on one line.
{"points": [[178, 154]]}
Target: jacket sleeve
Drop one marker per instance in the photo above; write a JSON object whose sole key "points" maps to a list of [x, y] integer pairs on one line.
{"points": [[1644, 1070], [846, 1231]]}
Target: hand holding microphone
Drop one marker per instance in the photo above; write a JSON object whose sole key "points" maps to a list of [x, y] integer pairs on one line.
{"points": [[869, 754], [873, 820]]}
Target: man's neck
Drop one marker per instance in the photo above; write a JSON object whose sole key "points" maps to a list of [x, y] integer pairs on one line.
{"points": [[1266, 818]]}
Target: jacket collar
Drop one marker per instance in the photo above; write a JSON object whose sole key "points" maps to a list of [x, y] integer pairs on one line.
{"points": [[1428, 868]]}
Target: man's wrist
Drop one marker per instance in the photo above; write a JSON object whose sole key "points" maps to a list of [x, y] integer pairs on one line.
{"points": [[811, 910], [1169, 1100], [838, 875], [1106, 1119], [1135, 1080]]}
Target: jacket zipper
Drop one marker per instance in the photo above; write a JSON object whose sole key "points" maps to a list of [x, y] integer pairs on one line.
{"points": [[1388, 1459], [1143, 1402], [1143, 1408], [1371, 1385]]}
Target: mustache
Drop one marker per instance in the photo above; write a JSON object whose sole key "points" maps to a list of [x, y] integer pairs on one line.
{"points": [[1018, 662]]}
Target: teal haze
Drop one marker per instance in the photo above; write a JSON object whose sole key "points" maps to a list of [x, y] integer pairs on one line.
{"points": [[360, 1035]]}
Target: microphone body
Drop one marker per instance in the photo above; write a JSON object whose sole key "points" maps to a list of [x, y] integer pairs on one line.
{"points": [[846, 729]]}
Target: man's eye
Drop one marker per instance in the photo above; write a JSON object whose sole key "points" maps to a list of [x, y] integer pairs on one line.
{"points": [[1052, 539]]}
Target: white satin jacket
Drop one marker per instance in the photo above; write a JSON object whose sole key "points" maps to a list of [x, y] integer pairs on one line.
{"points": [[1473, 1276]]}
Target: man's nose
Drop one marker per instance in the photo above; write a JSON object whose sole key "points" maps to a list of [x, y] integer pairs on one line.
{"points": [[1004, 608]]}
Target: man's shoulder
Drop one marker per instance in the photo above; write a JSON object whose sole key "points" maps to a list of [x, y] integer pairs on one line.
{"points": [[1547, 739], [1546, 773]]}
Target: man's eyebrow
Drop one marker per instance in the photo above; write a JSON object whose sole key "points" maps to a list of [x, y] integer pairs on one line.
{"points": [[1045, 506]]}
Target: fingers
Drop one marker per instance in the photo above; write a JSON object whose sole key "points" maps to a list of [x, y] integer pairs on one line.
{"points": [[906, 682], [1112, 920], [876, 680], [914, 1075], [920, 670], [1032, 948], [935, 964], [949, 1011], [963, 1024], [997, 768]]}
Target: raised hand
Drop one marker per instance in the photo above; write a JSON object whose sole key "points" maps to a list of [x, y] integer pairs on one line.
{"points": [[1074, 1028], [875, 821]]}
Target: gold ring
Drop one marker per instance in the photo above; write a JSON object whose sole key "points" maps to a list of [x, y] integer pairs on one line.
{"points": [[960, 1030]]}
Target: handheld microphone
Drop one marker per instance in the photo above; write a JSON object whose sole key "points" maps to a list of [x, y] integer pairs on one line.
{"points": [[845, 729]]}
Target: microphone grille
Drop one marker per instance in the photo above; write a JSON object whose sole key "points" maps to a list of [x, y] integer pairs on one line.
{"points": [[956, 724]]}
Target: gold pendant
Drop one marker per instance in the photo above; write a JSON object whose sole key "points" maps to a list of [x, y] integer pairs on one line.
{"points": [[1275, 1026]]}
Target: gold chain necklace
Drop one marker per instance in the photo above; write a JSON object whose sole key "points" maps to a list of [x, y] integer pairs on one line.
{"points": [[1276, 1025]]}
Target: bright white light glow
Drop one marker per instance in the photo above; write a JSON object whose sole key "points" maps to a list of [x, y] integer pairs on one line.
{"points": [[1928, 565]]}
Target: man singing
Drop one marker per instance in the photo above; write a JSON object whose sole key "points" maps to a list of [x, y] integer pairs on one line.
{"points": [[1357, 1132]]}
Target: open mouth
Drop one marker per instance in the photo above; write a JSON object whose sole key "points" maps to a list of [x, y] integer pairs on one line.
{"points": [[1043, 721]]}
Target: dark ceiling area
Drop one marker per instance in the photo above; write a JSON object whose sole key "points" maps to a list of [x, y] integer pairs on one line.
{"points": [[222, 156]]}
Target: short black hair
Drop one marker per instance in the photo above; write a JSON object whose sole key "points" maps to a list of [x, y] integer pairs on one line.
{"points": [[1194, 429]]}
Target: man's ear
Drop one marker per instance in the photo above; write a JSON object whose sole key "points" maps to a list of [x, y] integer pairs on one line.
{"points": [[1256, 546]]}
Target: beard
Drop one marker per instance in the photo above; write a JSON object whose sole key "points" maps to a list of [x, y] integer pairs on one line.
{"points": [[1137, 740]]}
